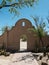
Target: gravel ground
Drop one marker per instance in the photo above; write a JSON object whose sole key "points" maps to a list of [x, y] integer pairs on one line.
{"points": [[25, 58]]}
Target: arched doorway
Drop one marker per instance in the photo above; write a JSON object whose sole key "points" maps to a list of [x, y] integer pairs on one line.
{"points": [[23, 43]]}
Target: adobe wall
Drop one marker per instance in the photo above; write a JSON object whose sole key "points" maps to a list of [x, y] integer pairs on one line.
{"points": [[11, 39], [16, 33], [3, 40]]}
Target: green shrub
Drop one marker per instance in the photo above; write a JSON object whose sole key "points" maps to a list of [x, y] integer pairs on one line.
{"points": [[24, 38], [3, 52]]}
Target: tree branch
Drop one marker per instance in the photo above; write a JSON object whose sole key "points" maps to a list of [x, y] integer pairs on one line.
{"points": [[15, 4], [1, 6]]}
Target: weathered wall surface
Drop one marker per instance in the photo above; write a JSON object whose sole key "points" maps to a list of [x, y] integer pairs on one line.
{"points": [[3, 40], [15, 34], [11, 39]]}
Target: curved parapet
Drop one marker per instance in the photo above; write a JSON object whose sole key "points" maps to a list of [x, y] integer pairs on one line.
{"points": [[23, 23]]}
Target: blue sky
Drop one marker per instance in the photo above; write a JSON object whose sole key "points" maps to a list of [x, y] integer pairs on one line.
{"points": [[41, 9]]}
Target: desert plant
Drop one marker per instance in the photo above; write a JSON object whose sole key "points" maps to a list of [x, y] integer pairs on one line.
{"points": [[6, 53], [23, 37], [4, 29], [39, 29], [3, 52]]}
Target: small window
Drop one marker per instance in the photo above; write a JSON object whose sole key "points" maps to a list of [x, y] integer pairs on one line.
{"points": [[23, 23]]}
